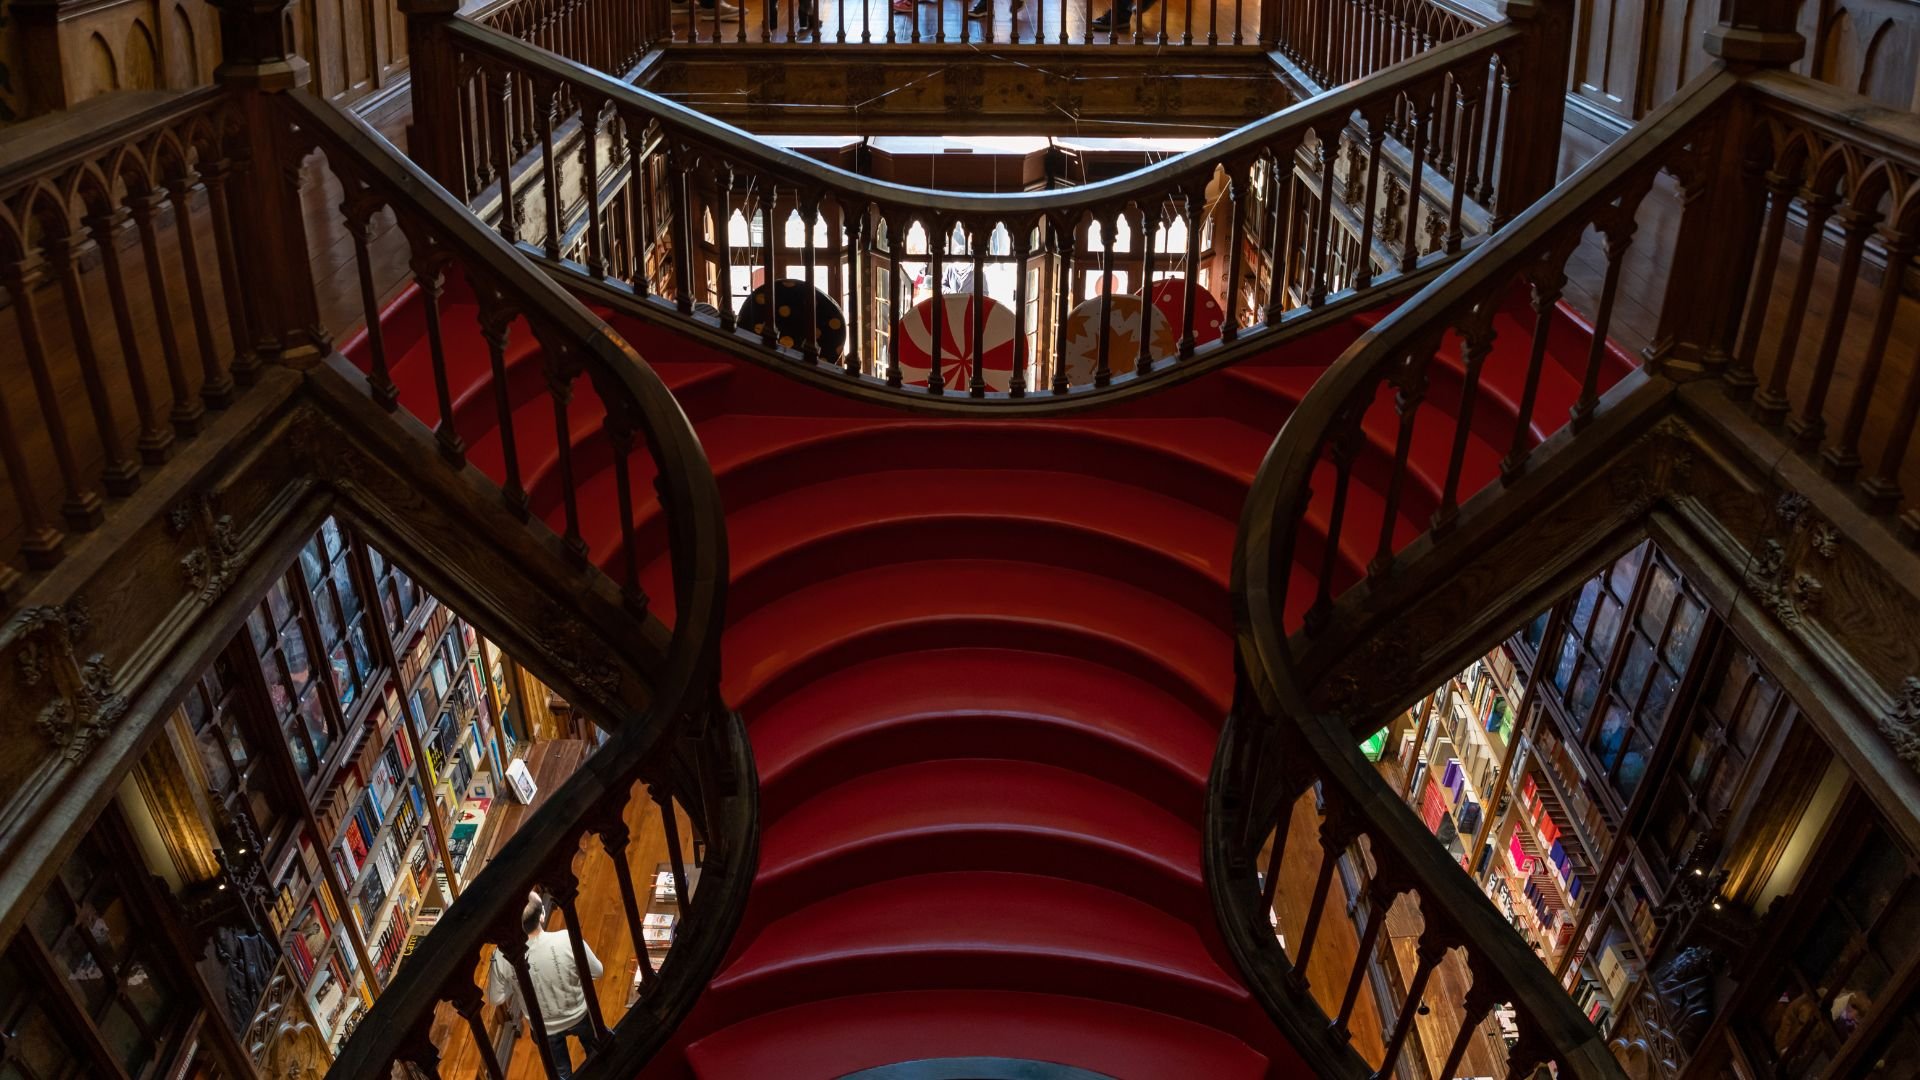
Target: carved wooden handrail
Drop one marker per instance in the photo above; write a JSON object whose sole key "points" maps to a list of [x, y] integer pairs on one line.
{"points": [[669, 218], [687, 753], [1302, 511]]}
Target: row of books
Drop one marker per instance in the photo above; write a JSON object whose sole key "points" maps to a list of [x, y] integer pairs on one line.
{"points": [[377, 804]]}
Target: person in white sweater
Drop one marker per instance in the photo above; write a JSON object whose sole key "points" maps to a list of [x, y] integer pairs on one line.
{"points": [[556, 984]]}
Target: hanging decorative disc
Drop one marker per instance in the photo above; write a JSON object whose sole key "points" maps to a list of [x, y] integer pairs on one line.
{"points": [[1123, 338], [1170, 299], [788, 315], [956, 343]]}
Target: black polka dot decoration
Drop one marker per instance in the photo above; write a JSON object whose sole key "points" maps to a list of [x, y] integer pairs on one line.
{"points": [[789, 316]]}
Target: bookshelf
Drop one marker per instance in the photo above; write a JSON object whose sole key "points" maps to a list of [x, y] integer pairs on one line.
{"points": [[355, 727]]}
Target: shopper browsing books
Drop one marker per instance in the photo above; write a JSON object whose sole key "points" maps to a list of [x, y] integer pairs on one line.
{"points": [[556, 984]]}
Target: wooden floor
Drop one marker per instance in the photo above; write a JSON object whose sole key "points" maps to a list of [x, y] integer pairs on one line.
{"points": [[1036, 21]]}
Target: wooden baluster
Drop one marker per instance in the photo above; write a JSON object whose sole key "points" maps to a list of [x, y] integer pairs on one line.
{"points": [[544, 119], [979, 235], [1476, 342], [511, 942], [670, 823], [119, 472], [682, 227], [418, 1049], [1063, 231], [770, 330], [1236, 193], [1342, 447], [82, 508], [1102, 372], [859, 247], [1428, 953], [1410, 380], [188, 414], [1280, 250], [1841, 459], [641, 204], [840, 20], [1467, 98], [1022, 232], [937, 241], [1617, 227], [564, 888], [591, 110], [1145, 230], [1419, 119], [1213, 22], [809, 260], [1374, 121], [1480, 998], [245, 365], [1239, 21], [1335, 835], [40, 542], [866, 22], [429, 266], [155, 438], [1186, 22], [216, 386], [357, 211], [614, 839], [496, 324], [621, 425], [1196, 200], [1381, 898], [561, 369], [1858, 223], [896, 250], [1548, 280], [722, 204], [1740, 376], [1497, 87], [466, 1000], [1882, 489], [1322, 217]]}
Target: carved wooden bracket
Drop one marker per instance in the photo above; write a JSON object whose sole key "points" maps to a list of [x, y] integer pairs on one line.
{"points": [[1779, 577], [86, 703]]}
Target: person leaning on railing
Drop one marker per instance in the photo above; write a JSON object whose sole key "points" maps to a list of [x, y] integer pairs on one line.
{"points": [[556, 984]]}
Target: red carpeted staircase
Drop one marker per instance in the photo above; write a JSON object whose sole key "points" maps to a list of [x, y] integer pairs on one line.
{"points": [[983, 663]]}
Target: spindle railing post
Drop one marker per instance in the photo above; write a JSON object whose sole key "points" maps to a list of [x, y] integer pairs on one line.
{"points": [[1720, 213]]}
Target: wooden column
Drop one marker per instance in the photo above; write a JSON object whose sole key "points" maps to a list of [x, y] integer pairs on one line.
{"points": [[258, 65], [433, 135], [1536, 106], [1756, 33]]}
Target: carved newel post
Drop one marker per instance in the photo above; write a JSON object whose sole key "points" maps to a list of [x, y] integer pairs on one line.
{"points": [[258, 66], [1533, 83], [433, 135], [1723, 200]]}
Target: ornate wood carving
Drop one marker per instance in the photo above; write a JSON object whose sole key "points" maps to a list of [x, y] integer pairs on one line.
{"points": [[1901, 723], [85, 701], [1781, 576]]}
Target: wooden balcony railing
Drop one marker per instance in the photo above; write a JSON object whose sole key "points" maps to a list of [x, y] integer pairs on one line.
{"points": [[685, 208], [1338, 41], [124, 328]]}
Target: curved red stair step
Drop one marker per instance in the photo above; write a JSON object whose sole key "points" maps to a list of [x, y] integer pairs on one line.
{"points": [[1016, 604], [981, 931], [989, 702], [979, 814]]}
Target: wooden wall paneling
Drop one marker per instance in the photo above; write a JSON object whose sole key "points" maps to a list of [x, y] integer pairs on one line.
{"points": [[1606, 53]]}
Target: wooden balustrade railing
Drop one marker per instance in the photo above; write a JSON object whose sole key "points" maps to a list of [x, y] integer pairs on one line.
{"points": [[1270, 768], [1797, 206], [687, 754], [1335, 40], [1338, 41], [124, 327], [687, 214], [1843, 388]]}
